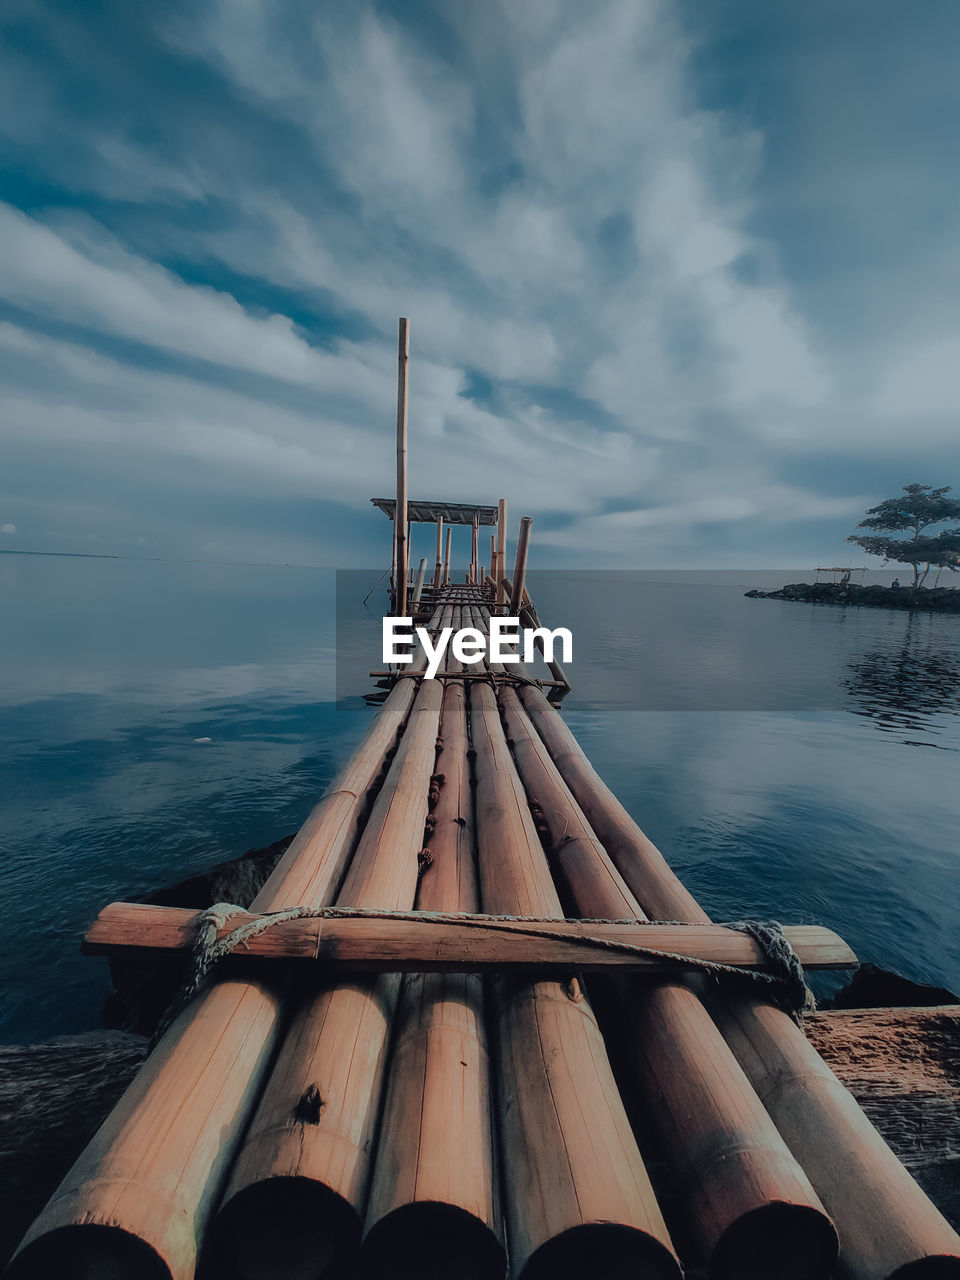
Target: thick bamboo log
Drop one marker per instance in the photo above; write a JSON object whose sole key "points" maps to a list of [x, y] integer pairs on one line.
{"points": [[438, 571], [446, 557], [577, 1196], [401, 527], [887, 1226], [422, 943], [747, 1205], [293, 1205], [520, 568], [137, 1202], [437, 1109]]}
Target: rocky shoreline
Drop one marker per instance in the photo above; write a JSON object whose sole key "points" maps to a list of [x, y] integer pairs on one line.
{"points": [[54, 1095], [931, 599]]}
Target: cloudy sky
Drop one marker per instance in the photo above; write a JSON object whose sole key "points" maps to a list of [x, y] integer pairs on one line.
{"points": [[683, 279]]}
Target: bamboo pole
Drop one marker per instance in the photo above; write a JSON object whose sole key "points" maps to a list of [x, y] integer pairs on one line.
{"points": [[438, 571], [520, 569], [501, 568], [446, 557], [474, 540], [747, 1204], [137, 1201], [888, 1227], [577, 1196], [418, 585], [293, 1205], [435, 1178], [400, 511]]}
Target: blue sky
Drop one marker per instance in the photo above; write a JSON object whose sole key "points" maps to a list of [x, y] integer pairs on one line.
{"points": [[682, 278]]}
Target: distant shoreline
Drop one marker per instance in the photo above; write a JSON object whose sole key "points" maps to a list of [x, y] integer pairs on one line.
{"points": [[927, 599]]}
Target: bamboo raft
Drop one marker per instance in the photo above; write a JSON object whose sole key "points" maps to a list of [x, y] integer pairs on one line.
{"points": [[465, 1046]]}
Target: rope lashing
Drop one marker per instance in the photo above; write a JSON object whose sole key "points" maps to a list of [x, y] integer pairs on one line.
{"points": [[786, 985]]}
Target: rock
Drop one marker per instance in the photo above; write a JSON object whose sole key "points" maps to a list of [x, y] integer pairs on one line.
{"points": [[144, 986], [53, 1098], [935, 599], [874, 988]]}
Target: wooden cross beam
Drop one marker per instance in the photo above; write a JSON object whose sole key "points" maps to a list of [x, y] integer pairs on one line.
{"points": [[418, 942]]}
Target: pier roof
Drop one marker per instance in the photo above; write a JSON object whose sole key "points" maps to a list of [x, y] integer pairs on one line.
{"points": [[422, 511]]}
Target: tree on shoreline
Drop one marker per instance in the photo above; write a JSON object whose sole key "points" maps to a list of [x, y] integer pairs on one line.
{"points": [[921, 507]]}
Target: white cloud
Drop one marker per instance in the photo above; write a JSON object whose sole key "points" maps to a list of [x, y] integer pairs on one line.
{"points": [[552, 210], [8, 528]]}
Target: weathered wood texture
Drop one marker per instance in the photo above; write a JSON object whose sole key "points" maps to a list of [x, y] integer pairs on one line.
{"points": [[435, 1174], [887, 1226], [573, 1174], [151, 1174], [746, 1203], [298, 1185], [418, 943]]}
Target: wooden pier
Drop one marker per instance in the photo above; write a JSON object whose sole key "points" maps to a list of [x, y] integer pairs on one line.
{"points": [[475, 1026]]}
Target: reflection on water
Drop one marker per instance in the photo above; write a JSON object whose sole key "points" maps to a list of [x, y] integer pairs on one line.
{"points": [[909, 686], [155, 719]]}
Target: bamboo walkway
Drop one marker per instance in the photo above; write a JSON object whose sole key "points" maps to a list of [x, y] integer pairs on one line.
{"points": [[428, 1081]]}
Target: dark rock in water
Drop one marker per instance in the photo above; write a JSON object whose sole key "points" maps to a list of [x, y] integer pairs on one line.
{"points": [[144, 985], [935, 599], [874, 988], [53, 1098]]}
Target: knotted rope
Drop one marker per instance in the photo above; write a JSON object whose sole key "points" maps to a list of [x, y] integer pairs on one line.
{"points": [[786, 985]]}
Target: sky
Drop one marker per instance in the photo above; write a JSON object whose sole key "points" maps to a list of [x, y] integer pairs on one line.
{"points": [[682, 279]]}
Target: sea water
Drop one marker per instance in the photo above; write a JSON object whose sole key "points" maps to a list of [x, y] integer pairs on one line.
{"points": [[791, 761]]}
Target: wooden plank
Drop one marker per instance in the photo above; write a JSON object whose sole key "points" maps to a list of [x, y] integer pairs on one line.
{"points": [[417, 943]]}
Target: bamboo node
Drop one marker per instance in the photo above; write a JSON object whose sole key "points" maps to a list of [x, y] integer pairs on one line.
{"points": [[433, 795], [574, 990], [309, 1105]]}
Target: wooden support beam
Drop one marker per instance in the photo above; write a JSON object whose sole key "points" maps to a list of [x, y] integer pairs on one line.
{"points": [[438, 571], [415, 942], [446, 557]]}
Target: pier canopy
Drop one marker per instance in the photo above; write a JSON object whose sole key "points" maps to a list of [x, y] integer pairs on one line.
{"points": [[420, 511]]}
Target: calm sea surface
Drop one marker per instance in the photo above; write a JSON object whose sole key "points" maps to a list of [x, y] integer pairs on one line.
{"points": [[796, 762]]}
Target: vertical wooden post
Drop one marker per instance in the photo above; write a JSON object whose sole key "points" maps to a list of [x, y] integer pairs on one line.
{"points": [[400, 513], [493, 556], [474, 549], [501, 569], [520, 571], [438, 572], [418, 585], [446, 557]]}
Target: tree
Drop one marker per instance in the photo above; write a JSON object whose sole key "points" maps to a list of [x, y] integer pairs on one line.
{"points": [[921, 507]]}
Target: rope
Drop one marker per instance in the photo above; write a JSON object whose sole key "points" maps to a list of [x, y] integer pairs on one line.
{"points": [[786, 986]]}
